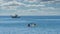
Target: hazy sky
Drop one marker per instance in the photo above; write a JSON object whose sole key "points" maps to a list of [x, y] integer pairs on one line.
{"points": [[30, 7]]}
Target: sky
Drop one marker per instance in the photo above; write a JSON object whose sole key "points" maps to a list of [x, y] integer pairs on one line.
{"points": [[30, 7]]}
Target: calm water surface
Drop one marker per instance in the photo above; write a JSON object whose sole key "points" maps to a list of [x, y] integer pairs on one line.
{"points": [[45, 25]]}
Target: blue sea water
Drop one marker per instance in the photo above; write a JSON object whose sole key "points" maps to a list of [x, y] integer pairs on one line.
{"points": [[44, 25]]}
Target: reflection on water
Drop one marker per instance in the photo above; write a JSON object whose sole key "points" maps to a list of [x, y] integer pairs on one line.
{"points": [[20, 26]]}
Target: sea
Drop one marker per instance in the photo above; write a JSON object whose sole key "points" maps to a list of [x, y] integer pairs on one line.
{"points": [[44, 25]]}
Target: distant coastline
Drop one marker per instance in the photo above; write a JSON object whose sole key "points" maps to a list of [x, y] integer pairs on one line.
{"points": [[36, 17]]}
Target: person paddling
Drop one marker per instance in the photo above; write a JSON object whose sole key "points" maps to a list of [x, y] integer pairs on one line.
{"points": [[31, 25]]}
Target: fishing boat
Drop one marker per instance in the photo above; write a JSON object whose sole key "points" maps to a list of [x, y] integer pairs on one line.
{"points": [[15, 16]]}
